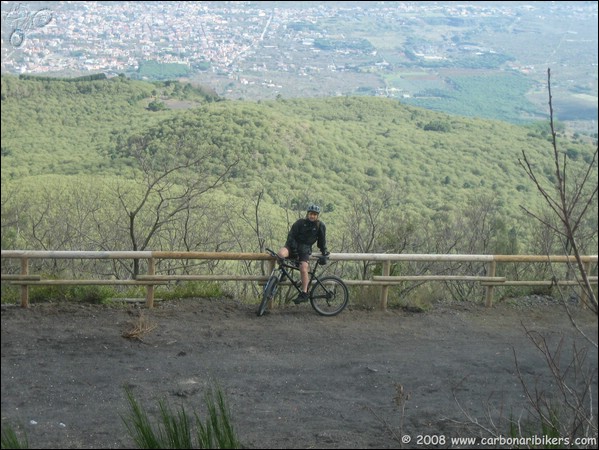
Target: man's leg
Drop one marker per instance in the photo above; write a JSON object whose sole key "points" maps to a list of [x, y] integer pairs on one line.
{"points": [[304, 274]]}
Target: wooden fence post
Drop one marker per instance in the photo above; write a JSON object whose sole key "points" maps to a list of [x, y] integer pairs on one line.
{"points": [[24, 287], [584, 298], [270, 264], [385, 288], [150, 288], [491, 273]]}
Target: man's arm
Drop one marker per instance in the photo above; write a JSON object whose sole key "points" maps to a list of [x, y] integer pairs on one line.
{"points": [[292, 238], [322, 239]]}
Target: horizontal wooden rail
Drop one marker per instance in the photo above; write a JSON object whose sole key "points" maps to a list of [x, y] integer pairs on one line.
{"points": [[536, 283], [201, 278], [75, 254], [82, 254], [11, 277], [384, 281], [400, 279], [87, 282]]}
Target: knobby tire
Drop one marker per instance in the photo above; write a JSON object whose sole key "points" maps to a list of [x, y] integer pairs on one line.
{"points": [[329, 296], [269, 293]]}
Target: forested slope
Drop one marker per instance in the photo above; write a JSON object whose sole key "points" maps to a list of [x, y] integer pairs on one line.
{"points": [[366, 160]]}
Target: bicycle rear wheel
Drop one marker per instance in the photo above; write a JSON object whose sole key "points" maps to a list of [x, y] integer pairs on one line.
{"points": [[269, 294], [329, 296]]}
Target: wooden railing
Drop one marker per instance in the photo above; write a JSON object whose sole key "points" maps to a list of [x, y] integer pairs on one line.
{"points": [[24, 279]]}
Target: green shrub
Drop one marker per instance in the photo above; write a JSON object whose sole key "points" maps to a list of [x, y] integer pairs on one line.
{"points": [[77, 293]]}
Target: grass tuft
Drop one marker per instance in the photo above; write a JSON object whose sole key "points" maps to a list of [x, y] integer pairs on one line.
{"points": [[174, 430], [11, 440]]}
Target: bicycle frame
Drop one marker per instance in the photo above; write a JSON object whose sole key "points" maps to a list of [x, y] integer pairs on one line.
{"points": [[328, 295], [286, 269]]}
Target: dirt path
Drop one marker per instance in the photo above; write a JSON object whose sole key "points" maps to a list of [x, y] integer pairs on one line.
{"points": [[292, 379]]}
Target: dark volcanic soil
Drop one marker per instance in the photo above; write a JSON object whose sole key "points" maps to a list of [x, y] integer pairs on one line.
{"points": [[292, 379]]}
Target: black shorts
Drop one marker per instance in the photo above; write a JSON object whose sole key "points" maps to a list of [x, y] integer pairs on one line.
{"points": [[303, 254]]}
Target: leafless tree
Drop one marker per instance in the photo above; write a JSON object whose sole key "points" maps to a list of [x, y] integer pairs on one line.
{"points": [[375, 224], [569, 199], [566, 407], [173, 175]]}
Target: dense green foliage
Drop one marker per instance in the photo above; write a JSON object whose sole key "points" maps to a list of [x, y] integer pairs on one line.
{"points": [[67, 127], [92, 154], [93, 77], [490, 96]]}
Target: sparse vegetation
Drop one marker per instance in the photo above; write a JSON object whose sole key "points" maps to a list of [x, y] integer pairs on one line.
{"points": [[110, 295], [139, 327], [10, 439], [177, 429]]}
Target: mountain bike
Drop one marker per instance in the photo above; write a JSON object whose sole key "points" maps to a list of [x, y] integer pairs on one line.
{"points": [[328, 295]]}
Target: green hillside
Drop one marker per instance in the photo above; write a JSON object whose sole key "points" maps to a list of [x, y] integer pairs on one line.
{"points": [[418, 167]]}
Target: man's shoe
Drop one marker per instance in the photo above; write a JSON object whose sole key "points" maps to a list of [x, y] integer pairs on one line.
{"points": [[303, 297]]}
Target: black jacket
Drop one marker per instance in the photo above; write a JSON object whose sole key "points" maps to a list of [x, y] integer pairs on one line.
{"points": [[303, 234]]}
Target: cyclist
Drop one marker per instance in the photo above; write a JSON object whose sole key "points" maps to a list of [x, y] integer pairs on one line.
{"points": [[304, 233]]}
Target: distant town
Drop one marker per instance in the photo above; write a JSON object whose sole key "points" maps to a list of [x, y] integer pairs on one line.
{"points": [[264, 49], [115, 36]]}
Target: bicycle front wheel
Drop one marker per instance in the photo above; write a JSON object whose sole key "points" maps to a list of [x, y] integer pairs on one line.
{"points": [[329, 296], [269, 294]]}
